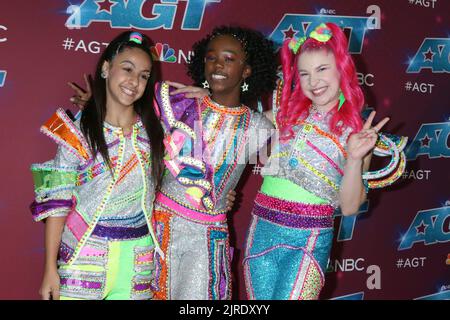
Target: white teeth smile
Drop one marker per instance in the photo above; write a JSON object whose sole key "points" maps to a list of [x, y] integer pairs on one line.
{"points": [[218, 77], [128, 91], [318, 92]]}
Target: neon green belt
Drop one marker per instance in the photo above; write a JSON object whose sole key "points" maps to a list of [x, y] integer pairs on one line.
{"points": [[287, 190]]}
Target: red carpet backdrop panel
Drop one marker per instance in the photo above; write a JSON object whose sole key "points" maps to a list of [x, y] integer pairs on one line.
{"points": [[397, 247]]}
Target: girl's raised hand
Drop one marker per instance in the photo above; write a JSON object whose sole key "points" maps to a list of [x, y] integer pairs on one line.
{"points": [[81, 96], [361, 143], [189, 91]]}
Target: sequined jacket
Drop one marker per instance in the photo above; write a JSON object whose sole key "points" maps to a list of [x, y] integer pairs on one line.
{"points": [[314, 159], [74, 185], [208, 147]]}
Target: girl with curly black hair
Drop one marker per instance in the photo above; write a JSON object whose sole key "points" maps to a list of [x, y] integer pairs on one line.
{"points": [[208, 145], [259, 57]]}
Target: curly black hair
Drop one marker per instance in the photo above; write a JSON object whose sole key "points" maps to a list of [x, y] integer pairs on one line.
{"points": [[260, 56]]}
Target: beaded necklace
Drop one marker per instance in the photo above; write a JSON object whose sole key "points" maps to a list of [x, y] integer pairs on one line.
{"points": [[222, 109]]}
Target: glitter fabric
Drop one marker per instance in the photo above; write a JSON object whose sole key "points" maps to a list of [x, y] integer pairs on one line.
{"points": [[95, 197], [204, 217], [219, 262], [287, 250], [292, 207], [108, 234], [141, 287], [289, 242], [81, 284], [292, 220], [160, 283], [61, 129], [226, 154], [120, 233], [190, 209], [197, 264], [43, 210], [314, 159], [110, 270]]}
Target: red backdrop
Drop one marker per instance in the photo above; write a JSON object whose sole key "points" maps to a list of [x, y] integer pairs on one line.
{"points": [[397, 248]]}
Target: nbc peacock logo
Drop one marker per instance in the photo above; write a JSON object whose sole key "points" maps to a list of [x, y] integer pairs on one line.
{"points": [[164, 53]]}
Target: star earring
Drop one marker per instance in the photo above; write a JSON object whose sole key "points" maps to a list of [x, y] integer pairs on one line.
{"points": [[205, 84], [244, 86]]}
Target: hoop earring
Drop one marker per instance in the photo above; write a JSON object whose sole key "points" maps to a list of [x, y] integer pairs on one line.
{"points": [[205, 84], [244, 86]]}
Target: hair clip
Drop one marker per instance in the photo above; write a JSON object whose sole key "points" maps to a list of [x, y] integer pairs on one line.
{"points": [[136, 37], [295, 44], [321, 33]]}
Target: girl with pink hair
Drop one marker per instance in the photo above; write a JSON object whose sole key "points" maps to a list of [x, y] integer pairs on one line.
{"points": [[317, 165]]}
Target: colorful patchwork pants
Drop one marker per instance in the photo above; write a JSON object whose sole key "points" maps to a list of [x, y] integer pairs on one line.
{"points": [[197, 259], [111, 269], [287, 249]]}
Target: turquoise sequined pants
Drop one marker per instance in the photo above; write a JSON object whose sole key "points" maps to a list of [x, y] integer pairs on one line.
{"points": [[287, 251]]}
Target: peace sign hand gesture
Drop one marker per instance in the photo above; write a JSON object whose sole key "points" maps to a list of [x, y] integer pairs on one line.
{"points": [[81, 96], [361, 143]]}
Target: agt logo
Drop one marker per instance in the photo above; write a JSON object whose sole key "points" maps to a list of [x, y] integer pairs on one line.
{"points": [[347, 224], [130, 14], [423, 3], [299, 25], [2, 78], [433, 54], [431, 140], [429, 226]]}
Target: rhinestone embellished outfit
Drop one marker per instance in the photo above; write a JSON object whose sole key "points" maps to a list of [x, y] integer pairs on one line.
{"points": [[207, 149], [291, 231], [107, 245]]}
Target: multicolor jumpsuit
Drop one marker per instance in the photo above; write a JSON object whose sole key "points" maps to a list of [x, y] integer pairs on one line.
{"points": [[107, 244], [208, 146], [291, 232]]}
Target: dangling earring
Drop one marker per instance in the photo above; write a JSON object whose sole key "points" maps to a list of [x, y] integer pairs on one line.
{"points": [[205, 84], [341, 99], [103, 74], [244, 87]]}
